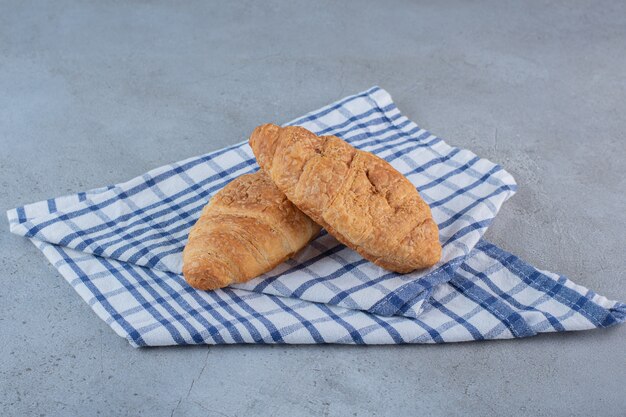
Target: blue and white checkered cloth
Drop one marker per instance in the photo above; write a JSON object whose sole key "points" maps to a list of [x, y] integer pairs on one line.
{"points": [[120, 248]]}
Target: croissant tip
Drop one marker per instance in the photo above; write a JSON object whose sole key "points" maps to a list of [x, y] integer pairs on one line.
{"points": [[264, 128], [202, 279]]}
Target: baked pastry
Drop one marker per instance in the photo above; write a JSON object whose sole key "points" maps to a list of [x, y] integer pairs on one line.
{"points": [[246, 229], [358, 197]]}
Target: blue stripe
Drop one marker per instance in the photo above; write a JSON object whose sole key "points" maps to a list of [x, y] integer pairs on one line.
{"points": [[329, 109], [397, 338], [298, 292], [21, 215], [598, 315], [434, 334], [467, 188], [148, 306], [473, 331], [228, 324], [452, 173], [396, 300], [476, 202], [315, 334], [408, 309], [468, 229], [273, 331], [556, 324], [351, 120], [178, 297], [267, 281], [510, 318], [84, 278], [52, 207], [141, 187], [353, 332]]}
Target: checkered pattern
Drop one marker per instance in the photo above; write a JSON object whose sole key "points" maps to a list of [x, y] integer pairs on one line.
{"points": [[120, 248]]}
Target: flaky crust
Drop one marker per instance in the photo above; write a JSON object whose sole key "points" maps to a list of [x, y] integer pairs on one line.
{"points": [[246, 229], [358, 197]]}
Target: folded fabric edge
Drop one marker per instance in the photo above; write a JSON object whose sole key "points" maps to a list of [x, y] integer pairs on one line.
{"points": [[408, 300], [598, 310], [48, 251], [518, 326]]}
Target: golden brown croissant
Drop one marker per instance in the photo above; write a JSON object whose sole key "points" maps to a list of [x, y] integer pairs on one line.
{"points": [[358, 197], [247, 228]]}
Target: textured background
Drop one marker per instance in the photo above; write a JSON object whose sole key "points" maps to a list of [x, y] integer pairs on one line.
{"points": [[96, 94]]}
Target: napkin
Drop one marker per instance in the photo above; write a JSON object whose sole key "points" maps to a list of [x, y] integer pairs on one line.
{"points": [[120, 248]]}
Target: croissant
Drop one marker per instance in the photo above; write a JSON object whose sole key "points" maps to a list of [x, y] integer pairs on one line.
{"points": [[356, 196], [246, 229]]}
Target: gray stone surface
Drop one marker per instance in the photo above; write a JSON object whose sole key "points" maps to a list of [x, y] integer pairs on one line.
{"points": [[96, 94]]}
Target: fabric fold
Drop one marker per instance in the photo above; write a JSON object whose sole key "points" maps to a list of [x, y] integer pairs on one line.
{"points": [[120, 248]]}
